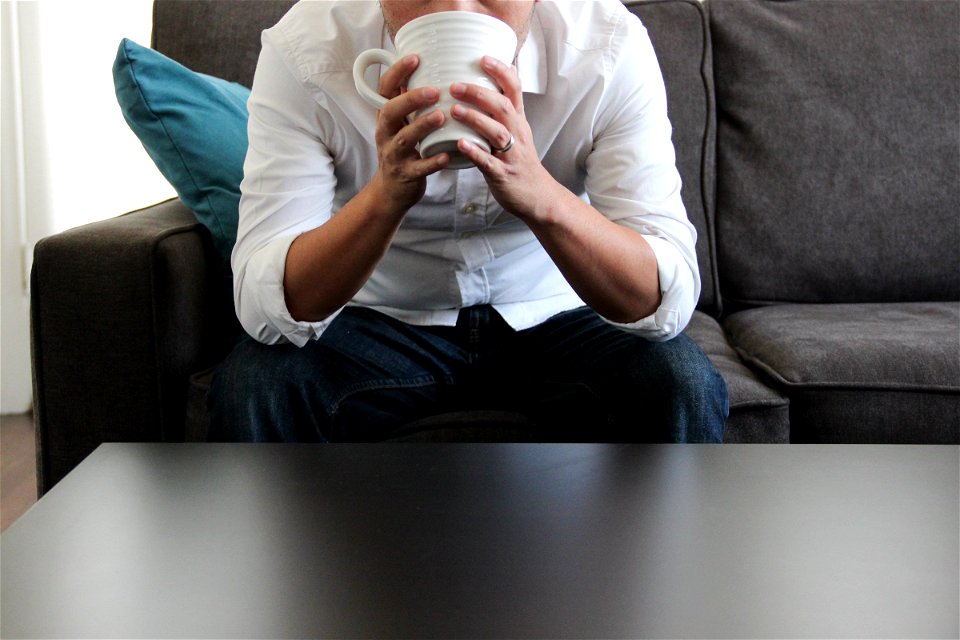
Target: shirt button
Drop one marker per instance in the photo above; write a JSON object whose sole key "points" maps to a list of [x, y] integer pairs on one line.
{"points": [[470, 209]]}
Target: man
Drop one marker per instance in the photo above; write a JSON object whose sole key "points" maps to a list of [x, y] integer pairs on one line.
{"points": [[379, 288]]}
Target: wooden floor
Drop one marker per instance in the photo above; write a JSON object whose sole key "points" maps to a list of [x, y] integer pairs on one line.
{"points": [[18, 467]]}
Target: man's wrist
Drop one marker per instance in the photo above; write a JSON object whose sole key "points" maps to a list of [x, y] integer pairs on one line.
{"points": [[385, 203], [552, 205]]}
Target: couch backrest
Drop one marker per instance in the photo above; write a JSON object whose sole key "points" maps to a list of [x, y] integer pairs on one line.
{"points": [[838, 134], [222, 38], [216, 37], [680, 35]]}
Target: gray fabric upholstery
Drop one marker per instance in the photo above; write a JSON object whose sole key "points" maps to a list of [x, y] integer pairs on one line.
{"points": [[863, 416], [837, 150], [911, 345], [681, 39], [216, 37], [881, 372], [757, 412], [123, 311]]}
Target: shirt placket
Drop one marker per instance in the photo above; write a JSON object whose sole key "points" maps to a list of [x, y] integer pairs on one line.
{"points": [[470, 222]]}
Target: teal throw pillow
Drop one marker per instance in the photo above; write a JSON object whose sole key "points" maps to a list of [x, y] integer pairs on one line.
{"points": [[194, 126]]}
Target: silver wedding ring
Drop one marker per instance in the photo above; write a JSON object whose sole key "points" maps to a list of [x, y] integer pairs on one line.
{"points": [[507, 146]]}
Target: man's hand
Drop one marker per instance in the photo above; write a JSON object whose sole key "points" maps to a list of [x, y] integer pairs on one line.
{"points": [[517, 179], [612, 268], [402, 174]]}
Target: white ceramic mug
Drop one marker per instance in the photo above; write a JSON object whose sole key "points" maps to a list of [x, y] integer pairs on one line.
{"points": [[450, 45]]}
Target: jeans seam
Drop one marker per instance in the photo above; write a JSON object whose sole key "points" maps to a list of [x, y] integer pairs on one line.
{"points": [[385, 384]]}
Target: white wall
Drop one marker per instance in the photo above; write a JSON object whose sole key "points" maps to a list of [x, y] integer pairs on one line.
{"points": [[68, 157]]}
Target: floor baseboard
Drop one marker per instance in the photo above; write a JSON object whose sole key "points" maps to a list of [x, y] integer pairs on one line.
{"points": [[18, 467]]}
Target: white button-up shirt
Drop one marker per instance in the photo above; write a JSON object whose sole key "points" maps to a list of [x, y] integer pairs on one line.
{"points": [[595, 99]]}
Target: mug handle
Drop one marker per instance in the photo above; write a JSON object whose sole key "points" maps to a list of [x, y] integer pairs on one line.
{"points": [[364, 60]]}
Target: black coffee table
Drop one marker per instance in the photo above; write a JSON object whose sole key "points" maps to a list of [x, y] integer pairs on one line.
{"points": [[469, 540]]}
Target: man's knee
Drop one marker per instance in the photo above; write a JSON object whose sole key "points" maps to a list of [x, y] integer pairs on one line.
{"points": [[256, 395], [684, 391], [700, 403]]}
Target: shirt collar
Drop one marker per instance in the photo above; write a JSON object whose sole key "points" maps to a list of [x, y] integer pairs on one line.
{"points": [[531, 61]]}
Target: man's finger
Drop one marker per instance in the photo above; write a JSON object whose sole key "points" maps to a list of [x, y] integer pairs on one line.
{"points": [[395, 78], [396, 111], [407, 138]]}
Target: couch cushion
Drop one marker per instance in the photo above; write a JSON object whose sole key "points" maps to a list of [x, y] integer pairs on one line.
{"points": [[757, 412], [859, 372], [837, 150], [678, 30], [194, 127]]}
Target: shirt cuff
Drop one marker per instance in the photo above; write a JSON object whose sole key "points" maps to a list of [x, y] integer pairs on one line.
{"points": [[679, 288], [260, 302]]}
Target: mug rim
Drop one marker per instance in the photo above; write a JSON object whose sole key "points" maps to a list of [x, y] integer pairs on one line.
{"points": [[441, 16]]}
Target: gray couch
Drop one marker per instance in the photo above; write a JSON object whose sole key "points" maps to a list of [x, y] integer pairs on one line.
{"points": [[818, 142]]}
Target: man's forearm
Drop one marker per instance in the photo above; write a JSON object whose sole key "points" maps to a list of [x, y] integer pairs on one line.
{"points": [[325, 267], [612, 268]]}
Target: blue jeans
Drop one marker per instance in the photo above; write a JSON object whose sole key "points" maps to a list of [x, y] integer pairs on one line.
{"points": [[369, 374]]}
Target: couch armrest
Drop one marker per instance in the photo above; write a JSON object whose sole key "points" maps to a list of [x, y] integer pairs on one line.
{"points": [[121, 311]]}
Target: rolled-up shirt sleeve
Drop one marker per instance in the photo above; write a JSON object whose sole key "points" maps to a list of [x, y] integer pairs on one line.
{"points": [[632, 179], [288, 188]]}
